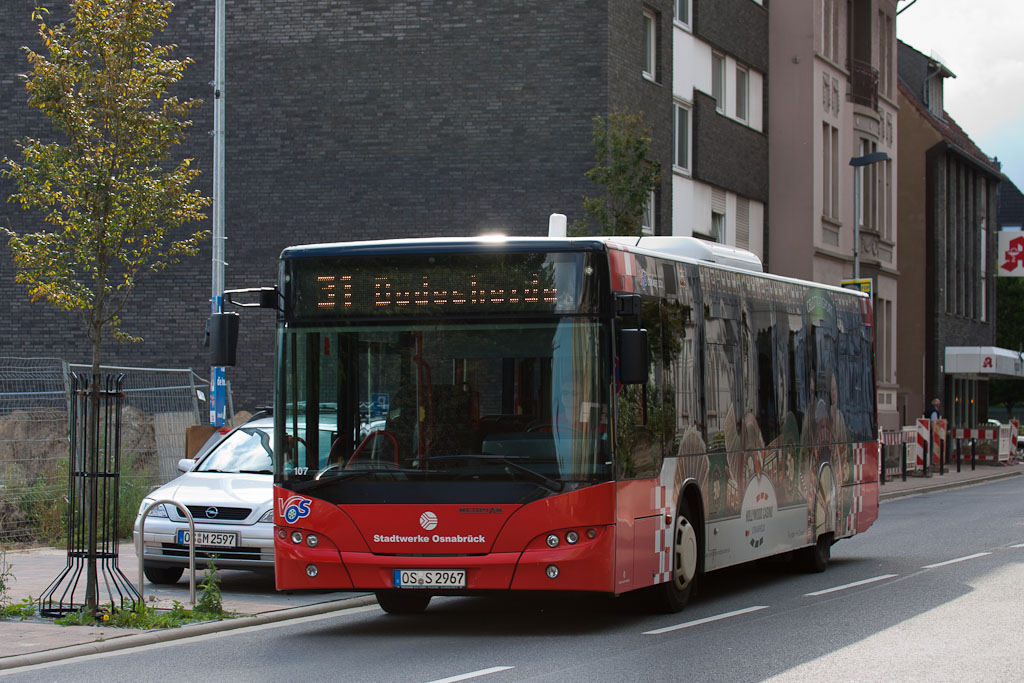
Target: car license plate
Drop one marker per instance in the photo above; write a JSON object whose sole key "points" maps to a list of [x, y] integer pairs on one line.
{"points": [[218, 539], [430, 578]]}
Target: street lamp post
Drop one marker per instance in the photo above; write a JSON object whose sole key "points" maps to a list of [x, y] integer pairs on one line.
{"points": [[218, 380], [857, 163]]}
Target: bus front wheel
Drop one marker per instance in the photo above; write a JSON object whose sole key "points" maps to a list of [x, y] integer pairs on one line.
{"points": [[402, 602], [672, 596]]}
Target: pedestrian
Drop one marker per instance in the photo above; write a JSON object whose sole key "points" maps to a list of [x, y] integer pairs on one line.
{"points": [[935, 412]]}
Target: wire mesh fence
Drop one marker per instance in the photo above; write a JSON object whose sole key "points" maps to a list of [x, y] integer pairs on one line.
{"points": [[159, 406]]}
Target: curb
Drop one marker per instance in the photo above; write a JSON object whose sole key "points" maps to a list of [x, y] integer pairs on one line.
{"points": [[885, 496], [165, 635]]}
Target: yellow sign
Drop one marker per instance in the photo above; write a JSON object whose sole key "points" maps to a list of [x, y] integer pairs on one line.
{"points": [[861, 285]]}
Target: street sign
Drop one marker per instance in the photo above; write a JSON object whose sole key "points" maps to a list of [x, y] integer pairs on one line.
{"points": [[1011, 253], [860, 284]]}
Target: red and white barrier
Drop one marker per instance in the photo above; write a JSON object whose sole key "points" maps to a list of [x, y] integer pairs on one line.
{"points": [[1001, 435]]}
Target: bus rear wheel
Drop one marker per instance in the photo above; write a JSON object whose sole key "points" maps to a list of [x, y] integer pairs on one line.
{"points": [[672, 596], [814, 559], [403, 602]]}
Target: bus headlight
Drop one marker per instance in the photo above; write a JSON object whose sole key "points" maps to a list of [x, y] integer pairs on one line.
{"points": [[552, 541], [572, 538], [551, 571]]}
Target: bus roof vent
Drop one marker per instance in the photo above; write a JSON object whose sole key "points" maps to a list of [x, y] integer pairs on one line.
{"points": [[701, 250], [556, 225]]}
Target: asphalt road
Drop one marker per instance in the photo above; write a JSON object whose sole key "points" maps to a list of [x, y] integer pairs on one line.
{"points": [[934, 591]]}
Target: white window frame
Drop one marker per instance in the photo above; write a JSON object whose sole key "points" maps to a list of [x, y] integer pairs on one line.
{"points": [[718, 80], [650, 45], [682, 13], [742, 93], [648, 220], [682, 165]]}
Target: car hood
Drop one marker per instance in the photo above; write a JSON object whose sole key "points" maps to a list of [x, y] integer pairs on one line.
{"points": [[214, 488]]}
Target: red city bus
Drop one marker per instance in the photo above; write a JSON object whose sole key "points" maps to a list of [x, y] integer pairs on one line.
{"points": [[561, 414]]}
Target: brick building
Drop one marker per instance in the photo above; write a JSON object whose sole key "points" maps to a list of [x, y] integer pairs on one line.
{"points": [[352, 120], [948, 210]]}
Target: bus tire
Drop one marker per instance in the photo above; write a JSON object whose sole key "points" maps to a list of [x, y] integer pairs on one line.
{"points": [[814, 559], [403, 602], [672, 596]]}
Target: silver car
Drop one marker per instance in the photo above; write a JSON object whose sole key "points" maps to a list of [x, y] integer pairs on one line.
{"points": [[229, 492]]}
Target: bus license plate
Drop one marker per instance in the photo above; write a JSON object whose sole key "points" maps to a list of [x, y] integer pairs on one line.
{"points": [[430, 578], [218, 539]]}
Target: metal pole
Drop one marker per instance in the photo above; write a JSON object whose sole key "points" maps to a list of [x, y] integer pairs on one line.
{"points": [[218, 381], [856, 219]]}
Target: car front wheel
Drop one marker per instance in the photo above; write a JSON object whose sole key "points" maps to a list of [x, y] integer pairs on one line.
{"points": [[163, 575]]}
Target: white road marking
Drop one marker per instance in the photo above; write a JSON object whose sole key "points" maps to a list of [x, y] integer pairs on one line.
{"points": [[705, 620], [473, 674], [1019, 545], [883, 577], [959, 559]]}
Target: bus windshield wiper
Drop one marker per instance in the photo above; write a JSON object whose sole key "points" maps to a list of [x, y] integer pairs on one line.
{"points": [[255, 471], [551, 484]]}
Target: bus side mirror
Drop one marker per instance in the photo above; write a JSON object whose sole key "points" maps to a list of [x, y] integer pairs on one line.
{"points": [[633, 356], [223, 339]]}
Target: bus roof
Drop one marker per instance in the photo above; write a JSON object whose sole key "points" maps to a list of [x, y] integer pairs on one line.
{"points": [[683, 249]]}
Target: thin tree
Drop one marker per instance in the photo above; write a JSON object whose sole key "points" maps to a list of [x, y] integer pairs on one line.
{"points": [[107, 187], [624, 171]]}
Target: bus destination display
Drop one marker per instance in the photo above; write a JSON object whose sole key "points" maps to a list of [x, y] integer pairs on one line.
{"points": [[449, 284]]}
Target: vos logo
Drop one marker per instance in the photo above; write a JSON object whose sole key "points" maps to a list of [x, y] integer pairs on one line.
{"points": [[294, 509]]}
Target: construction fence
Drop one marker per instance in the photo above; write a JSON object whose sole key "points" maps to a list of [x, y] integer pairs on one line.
{"points": [[159, 405]]}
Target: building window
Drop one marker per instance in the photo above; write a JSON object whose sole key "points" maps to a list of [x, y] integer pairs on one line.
{"points": [[830, 17], [741, 93], [718, 80], [868, 187], [681, 133], [718, 203], [682, 12], [883, 340], [718, 226], [650, 45], [647, 222], [829, 171], [885, 60]]}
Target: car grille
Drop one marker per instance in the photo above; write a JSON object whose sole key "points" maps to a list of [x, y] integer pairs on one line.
{"points": [[224, 514], [176, 550]]}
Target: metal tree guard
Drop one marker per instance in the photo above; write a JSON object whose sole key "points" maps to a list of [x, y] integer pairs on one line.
{"points": [[94, 478]]}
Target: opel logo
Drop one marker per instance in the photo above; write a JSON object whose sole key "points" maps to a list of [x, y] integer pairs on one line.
{"points": [[428, 520], [212, 512]]}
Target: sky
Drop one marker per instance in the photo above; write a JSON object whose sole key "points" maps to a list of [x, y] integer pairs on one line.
{"points": [[979, 41]]}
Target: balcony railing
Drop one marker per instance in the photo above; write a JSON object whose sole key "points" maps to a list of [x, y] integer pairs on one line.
{"points": [[864, 84]]}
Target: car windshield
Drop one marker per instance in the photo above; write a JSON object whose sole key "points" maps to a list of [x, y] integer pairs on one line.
{"points": [[248, 449]]}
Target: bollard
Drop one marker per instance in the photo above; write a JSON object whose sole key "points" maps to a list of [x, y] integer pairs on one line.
{"points": [[903, 463], [959, 445], [973, 441]]}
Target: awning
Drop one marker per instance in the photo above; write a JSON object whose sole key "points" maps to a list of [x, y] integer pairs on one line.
{"points": [[984, 362]]}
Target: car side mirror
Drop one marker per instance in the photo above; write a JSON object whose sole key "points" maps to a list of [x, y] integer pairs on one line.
{"points": [[186, 464]]}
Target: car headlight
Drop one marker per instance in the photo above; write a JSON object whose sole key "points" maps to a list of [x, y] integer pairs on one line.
{"points": [[158, 511], [268, 517]]}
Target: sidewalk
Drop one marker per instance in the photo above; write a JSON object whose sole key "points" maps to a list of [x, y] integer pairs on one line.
{"points": [[253, 596]]}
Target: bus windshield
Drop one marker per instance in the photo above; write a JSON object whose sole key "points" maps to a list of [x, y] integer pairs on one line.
{"points": [[524, 402]]}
